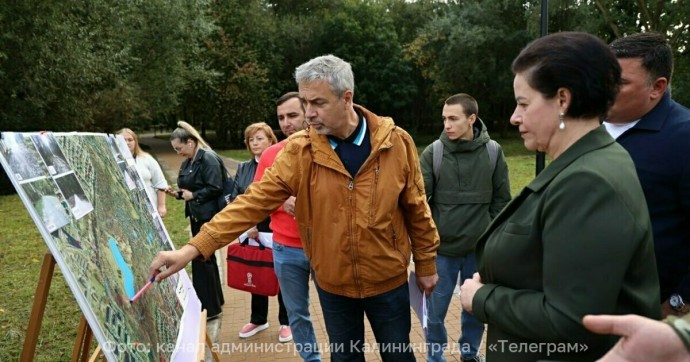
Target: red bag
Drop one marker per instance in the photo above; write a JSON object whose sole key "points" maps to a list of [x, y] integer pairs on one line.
{"points": [[250, 268]]}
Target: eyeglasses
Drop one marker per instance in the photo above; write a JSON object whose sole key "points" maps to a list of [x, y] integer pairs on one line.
{"points": [[178, 149]]}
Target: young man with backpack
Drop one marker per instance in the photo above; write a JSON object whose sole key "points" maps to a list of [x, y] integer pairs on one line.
{"points": [[466, 183]]}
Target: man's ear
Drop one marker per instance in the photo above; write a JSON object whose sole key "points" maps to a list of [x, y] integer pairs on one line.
{"points": [[471, 119], [348, 97], [658, 88]]}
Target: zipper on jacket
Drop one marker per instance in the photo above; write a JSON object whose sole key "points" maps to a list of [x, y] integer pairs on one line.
{"points": [[351, 233], [372, 204], [406, 259]]}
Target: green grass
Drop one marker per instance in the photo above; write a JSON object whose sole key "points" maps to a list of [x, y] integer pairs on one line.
{"points": [[21, 254], [239, 155], [22, 250]]}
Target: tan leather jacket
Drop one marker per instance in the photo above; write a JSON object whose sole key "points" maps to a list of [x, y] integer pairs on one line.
{"points": [[358, 233]]}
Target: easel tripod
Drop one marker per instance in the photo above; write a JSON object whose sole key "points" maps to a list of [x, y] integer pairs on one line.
{"points": [[84, 338]]}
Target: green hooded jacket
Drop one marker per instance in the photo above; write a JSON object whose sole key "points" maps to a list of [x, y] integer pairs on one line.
{"points": [[468, 194]]}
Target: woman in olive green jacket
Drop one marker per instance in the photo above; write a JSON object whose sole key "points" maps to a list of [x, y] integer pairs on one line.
{"points": [[577, 240]]}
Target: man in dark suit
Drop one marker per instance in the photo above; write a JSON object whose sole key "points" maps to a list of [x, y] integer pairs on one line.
{"points": [[655, 130]]}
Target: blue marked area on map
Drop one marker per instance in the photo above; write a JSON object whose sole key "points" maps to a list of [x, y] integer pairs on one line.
{"points": [[127, 274]]}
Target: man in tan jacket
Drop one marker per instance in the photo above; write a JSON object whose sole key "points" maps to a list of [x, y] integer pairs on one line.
{"points": [[361, 212]]}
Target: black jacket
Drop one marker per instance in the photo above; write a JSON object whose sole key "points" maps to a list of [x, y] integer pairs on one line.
{"points": [[243, 178], [204, 178]]}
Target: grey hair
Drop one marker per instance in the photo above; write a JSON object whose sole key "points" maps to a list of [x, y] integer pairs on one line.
{"points": [[337, 72]]}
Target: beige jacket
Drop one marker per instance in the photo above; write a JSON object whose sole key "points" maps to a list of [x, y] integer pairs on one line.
{"points": [[358, 234]]}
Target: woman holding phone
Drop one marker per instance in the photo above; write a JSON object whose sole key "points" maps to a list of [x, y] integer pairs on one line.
{"points": [[200, 183]]}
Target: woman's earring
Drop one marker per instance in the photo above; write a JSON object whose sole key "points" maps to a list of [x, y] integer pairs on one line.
{"points": [[561, 117]]}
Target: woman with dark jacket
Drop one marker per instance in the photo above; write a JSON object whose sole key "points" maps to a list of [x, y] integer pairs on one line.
{"points": [[258, 137], [577, 240], [200, 183]]}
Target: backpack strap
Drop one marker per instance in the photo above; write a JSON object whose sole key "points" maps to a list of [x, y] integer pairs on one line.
{"points": [[437, 154], [492, 149]]}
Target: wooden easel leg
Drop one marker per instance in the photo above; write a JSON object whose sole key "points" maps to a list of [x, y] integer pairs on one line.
{"points": [[205, 340], [95, 354], [87, 344], [201, 354], [79, 341], [209, 343], [41, 298], [83, 341]]}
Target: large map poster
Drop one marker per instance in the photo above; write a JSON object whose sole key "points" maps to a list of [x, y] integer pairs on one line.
{"points": [[89, 203]]}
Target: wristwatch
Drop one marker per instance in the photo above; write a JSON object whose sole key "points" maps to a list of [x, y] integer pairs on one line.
{"points": [[677, 303]]}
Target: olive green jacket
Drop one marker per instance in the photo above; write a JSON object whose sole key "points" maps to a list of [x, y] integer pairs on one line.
{"points": [[470, 192], [576, 241]]}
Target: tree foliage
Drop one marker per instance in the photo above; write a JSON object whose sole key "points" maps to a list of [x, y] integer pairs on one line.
{"points": [[239, 93], [99, 65], [362, 33], [468, 48], [671, 18], [96, 65]]}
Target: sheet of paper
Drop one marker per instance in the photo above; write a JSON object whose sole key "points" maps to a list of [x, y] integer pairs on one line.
{"points": [[418, 301], [265, 238]]}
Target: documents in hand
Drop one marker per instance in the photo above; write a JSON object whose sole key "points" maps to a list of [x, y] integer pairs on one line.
{"points": [[418, 300]]}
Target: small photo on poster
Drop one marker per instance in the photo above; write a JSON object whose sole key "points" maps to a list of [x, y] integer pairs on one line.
{"points": [[114, 149], [166, 243], [135, 176], [75, 195], [22, 157], [48, 202], [129, 181], [51, 153]]}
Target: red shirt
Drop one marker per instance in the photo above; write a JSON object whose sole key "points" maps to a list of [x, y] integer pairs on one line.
{"points": [[283, 225]]}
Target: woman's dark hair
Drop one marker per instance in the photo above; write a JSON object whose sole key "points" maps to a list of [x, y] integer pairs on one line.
{"points": [[579, 62]]}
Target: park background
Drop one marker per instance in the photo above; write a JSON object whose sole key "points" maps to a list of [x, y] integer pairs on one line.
{"points": [[100, 65]]}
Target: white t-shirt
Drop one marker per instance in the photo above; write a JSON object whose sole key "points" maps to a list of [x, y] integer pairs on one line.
{"points": [[617, 129], [150, 171]]}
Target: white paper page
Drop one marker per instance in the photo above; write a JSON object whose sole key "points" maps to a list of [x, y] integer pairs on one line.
{"points": [[265, 238], [418, 301]]}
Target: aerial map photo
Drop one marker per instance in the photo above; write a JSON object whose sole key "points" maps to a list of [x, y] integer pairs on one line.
{"points": [[103, 235]]}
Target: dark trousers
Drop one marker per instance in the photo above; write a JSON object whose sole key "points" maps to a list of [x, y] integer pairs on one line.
{"points": [[260, 310], [206, 279], [388, 314]]}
